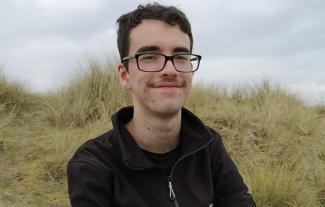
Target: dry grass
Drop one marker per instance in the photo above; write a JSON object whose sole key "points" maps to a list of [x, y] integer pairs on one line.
{"points": [[276, 140], [94, 95]]}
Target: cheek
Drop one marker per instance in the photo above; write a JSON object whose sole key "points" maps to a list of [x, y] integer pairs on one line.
{"points": [[188, 86], [188, 80], [139, 85]]}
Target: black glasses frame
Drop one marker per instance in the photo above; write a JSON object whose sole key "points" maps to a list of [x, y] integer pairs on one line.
{"points": [[167, 57]]}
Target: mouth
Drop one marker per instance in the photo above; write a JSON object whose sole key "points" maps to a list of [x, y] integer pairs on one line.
{"points": [[167, 85]]}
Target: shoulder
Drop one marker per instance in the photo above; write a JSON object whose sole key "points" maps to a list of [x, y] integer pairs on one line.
{"points": [[95, 152], [218, 153], [89, 173], [216, 135], [216, 143]]}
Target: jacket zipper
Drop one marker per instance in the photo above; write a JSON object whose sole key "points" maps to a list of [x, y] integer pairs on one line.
{"points": [[172, 195], [171, 190]]}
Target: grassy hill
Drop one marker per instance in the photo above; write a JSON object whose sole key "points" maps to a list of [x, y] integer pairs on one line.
{"points": [[277, 142]]}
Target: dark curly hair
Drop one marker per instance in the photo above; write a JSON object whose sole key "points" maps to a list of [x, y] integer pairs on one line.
{"points": [[169, 14]]}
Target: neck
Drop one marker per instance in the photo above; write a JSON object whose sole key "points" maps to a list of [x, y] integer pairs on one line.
{"points": [[155, 133]]}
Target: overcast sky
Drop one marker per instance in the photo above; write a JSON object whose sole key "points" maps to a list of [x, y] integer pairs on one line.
{"points": [[43, 42]]}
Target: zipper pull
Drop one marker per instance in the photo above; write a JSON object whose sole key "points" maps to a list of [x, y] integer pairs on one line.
{"points": [[171, 190], [172, 195]]}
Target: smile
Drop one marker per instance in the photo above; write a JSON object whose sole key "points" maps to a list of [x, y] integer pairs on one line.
{"points": [[167, 85]]}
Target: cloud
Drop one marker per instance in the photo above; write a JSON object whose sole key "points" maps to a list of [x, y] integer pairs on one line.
{"points": [[267, 28], [240, 41], [310, 92]]}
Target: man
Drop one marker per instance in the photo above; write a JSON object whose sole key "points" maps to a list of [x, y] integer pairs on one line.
{"points": [[158, 153]]}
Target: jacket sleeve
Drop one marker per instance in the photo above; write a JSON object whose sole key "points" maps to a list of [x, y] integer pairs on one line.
{"points": [[87, 186], [229, 187]]}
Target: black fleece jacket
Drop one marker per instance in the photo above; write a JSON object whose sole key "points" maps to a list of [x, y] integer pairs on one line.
{"points": [[111, 170]]}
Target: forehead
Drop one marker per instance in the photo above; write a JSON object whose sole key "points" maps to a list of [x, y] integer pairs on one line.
{"points": [[157, 34]]}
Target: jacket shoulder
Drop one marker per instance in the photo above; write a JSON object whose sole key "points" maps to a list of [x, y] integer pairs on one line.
{"points": [[228, 182], [94, 150], [216, 143], [89, 173]]}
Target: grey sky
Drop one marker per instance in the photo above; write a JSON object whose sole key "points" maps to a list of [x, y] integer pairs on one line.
{"points": [[242, 42]]}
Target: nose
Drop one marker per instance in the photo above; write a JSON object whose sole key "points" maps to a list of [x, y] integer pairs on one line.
{"points": [[169, 69]]}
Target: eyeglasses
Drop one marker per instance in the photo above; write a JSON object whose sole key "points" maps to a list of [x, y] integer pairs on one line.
{"points": [[155, 62]]}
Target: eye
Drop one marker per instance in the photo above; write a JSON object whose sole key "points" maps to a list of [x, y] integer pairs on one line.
{"points": [[194, 59], [149, 57], [181, 57]]}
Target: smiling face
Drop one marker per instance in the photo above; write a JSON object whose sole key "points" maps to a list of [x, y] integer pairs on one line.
{"points": [[161, 92]]}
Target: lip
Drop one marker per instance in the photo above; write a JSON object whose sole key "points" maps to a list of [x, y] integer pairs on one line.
{"points": [[167, 85]]}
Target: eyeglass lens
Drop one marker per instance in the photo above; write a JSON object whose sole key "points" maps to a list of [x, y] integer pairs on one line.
{"points": [[156, 62]]}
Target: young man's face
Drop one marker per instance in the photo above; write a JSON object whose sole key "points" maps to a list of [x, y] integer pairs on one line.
{"points": [[161, 92]]}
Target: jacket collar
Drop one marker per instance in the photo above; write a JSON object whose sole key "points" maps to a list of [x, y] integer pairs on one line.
{"points": [[194, 134]]}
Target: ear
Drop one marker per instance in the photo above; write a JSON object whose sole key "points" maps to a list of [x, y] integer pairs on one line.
{"points": [[124, 76]]}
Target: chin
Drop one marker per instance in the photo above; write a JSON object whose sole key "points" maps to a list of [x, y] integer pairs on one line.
{"points": [[168, 109]]}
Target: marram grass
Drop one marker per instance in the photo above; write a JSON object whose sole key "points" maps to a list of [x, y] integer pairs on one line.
{"points": [[277, 142]]}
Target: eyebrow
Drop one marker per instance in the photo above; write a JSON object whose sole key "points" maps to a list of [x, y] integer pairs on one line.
{"points": [[157, 49], [148, 49], [181, 50]]}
